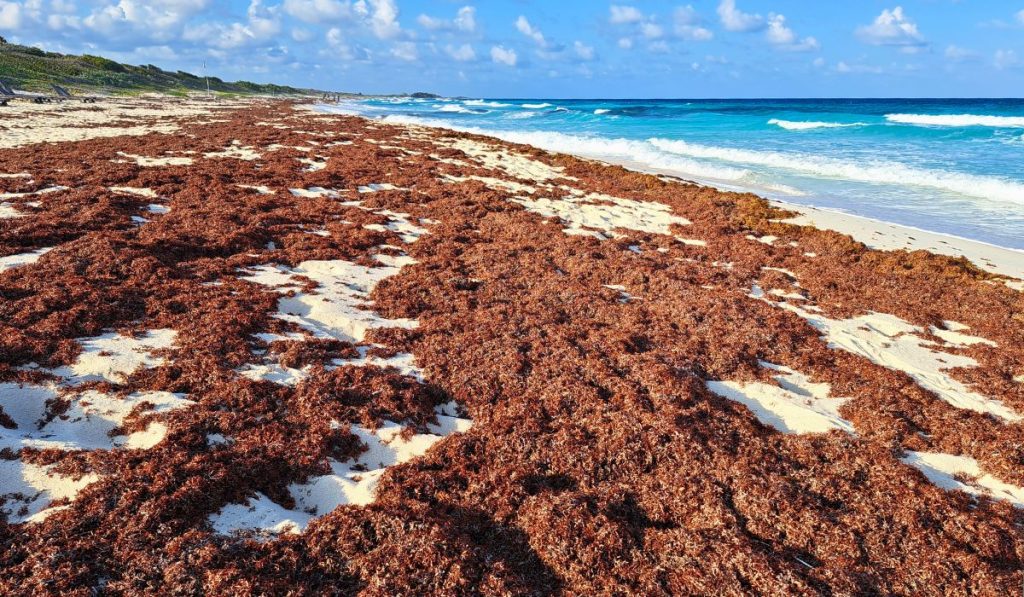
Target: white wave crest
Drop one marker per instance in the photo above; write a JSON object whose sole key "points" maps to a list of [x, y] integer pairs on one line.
{"points": [[457, 109], [957, 120], [790, 125], [485, 104], [894, 173], [536, 106], [638, 154], [520, 115], [600, 111]]}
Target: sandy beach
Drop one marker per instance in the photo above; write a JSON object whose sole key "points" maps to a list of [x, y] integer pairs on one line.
{"points": [[248, 346]]}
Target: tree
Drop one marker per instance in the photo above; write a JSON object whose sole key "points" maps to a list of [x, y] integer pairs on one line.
{"points": [[2, 40]]}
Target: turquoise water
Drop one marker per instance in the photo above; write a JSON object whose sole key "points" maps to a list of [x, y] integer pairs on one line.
{"points": [[948, 166]]}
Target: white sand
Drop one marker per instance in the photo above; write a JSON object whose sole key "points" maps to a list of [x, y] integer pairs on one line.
{"points": [[30, 194], [235, 151], [404, 362], [795, 405], [877, 234], [891, 342], [9, 211], [26, 123], [310, 193], [314, 165], [943, 470], [399, 223], [261, 189], [113, 357], [376, 187], [599, 215], [498, 184], [86, 425], [32, 488], [520, 166], [141, 192], [21, 259], [334, 311], [275, 372], [149, 162], [349, 483]]}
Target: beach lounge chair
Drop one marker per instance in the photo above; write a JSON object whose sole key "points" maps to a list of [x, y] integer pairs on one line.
{"points": [[64, 94], [7, 93]]}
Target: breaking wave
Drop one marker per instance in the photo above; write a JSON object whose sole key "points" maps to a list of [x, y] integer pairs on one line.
{"points": [[790, 125], [984, 187], [957, 120]]}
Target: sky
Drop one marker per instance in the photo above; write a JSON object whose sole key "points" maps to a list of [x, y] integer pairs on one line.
{"points": [[556, 49]]}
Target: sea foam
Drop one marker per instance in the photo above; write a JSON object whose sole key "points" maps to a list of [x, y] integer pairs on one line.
{"points": [[957, 120], [455, 108], [790, 125], [894, 173], [485, 104]]}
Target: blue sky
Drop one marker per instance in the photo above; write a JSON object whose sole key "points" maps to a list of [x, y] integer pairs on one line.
{"points": [[568, 48]]}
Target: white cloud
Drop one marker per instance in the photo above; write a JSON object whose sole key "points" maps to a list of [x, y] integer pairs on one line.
{"points": [[62, 6], [382, 16], [1006, 59], [688, 25], [336, 41], [583, 51], [1020, 17], [819, 62], [778, 34], [503, 55], [844, 68], [658, 47], [642, 25], [463, 53], [432, 23], [892, 28], [958, 54], [156, 20], [301, 35], [652, 30], [524, 27], [733, 19], [59, 22], [10, 15], [465, 20], [262, 26], [405, 50], [318, 11], [623, 15]]}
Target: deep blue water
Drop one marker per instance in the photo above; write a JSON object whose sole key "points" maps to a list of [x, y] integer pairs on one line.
{"points": [[950, 166]]}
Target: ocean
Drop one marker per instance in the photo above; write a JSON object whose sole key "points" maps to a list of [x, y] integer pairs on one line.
{"points": [[948, 166]]}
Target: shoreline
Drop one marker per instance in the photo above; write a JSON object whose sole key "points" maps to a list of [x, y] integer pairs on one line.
{"points": [[873, 232]]}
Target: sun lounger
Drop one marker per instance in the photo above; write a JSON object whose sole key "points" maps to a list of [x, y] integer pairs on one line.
{"points": [[63, 94], [7, 93]]}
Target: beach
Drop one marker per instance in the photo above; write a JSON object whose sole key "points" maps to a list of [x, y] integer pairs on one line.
{"points": [[252, 345]]}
